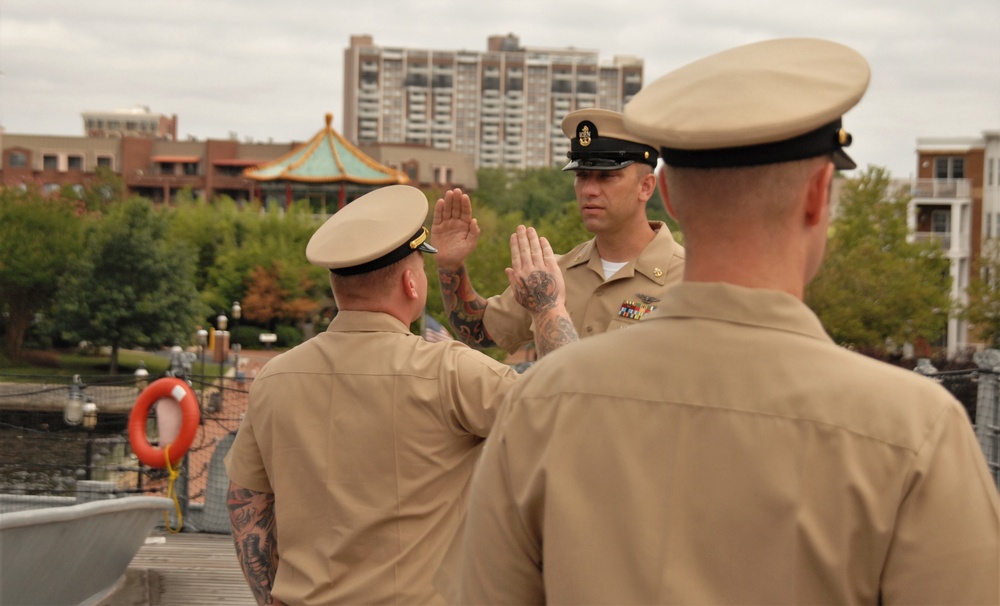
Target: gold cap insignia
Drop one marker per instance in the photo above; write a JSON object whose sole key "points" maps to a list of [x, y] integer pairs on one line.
{"points": [[414, 243], [585, 136], [843, 137]]}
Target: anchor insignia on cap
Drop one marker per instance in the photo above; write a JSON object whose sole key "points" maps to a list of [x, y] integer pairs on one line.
{"points": [[585, 136]]}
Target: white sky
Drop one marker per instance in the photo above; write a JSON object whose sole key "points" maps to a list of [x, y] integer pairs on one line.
{"points": [[272, 69]]}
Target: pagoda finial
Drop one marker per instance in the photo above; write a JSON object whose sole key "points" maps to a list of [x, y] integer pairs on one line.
{"points": [[329, 119]]}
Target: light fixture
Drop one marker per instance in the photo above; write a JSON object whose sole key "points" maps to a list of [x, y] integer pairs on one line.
{"points": [[89, 414], [73, 413], [141, 376]]}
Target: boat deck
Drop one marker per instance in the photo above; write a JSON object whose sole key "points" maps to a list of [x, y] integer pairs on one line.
{"points": [[184, 569]]}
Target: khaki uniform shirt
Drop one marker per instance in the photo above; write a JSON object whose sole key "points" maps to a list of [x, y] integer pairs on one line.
{"points": [[367, 436], [594, 305], [751, 461]]}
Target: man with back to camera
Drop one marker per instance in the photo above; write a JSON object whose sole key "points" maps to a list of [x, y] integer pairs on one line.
{"points": [[612, 281], [752, 460], [350, 470]]}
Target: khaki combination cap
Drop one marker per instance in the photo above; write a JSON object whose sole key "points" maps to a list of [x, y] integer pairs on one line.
{"points": [[767, 102], [599, 141], [374, 231]]}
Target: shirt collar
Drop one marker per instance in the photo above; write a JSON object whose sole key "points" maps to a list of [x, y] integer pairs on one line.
{"points": [[738, 304], [366, 321], [652, 262]]}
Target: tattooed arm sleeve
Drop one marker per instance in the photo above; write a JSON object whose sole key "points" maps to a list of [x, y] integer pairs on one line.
{"points": [[251, 515], [465, 308]]}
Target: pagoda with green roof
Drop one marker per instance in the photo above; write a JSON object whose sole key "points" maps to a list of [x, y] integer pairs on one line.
{"points": [[327, 165]]}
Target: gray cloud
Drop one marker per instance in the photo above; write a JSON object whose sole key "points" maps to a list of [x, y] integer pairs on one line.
{"points": [[271, 70]]}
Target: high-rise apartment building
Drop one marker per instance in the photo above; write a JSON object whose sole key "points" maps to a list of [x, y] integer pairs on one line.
{"points": [[502, 107]]}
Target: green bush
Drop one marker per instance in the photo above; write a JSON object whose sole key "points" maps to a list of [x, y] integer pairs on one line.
{"points": [[288, 336]]}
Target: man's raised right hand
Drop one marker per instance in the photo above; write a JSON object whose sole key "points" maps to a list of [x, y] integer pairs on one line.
{"points": [[454, 232]]}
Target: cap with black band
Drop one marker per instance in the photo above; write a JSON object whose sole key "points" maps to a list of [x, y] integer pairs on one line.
{"points": [[599, 141], [762, 103], [372, 232]]}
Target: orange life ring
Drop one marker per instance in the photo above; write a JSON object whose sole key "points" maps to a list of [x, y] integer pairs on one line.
{"points": [[167, 387]]}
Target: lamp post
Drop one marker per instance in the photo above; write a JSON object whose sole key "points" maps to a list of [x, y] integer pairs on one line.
{"points": [[221, 354], [89, 423], [237, 312], [202, 342]]}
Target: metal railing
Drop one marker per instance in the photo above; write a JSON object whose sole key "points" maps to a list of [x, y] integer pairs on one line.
{"points": [[978, 390], [941, 188]]}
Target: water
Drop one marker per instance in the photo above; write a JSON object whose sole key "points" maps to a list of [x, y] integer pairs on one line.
{"points": [[51, 462]]}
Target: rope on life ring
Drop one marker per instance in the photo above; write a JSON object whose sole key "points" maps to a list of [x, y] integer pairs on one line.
{"points": [[181, 392]]}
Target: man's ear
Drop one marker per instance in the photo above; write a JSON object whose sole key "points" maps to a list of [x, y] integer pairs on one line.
{"points": [[647, 185], [661, 181], [408, 284], [818, 193]]}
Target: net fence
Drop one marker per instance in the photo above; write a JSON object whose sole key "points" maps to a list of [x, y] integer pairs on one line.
{"points": [[46, 461]]}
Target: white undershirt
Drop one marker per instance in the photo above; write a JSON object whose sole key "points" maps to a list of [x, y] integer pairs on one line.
{"points": [[610, 268]]}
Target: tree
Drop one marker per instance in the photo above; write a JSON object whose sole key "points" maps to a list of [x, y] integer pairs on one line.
{"points": [[40, 237], [268, 247], [134, 287], [533, 193], [878, 287], [208, 229], [982, 308], [268, 301]]}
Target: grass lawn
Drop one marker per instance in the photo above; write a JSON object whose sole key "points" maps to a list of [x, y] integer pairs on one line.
{"points": [[65, 363]]}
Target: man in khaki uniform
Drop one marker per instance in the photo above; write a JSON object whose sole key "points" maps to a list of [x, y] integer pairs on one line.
{"points": [[613, 280], [350, 469], [730, 452]]}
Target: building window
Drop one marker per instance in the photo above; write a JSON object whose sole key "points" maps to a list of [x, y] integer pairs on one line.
{"points": [[940, 221], [104, 161], [989, 180], [50, 188], [411, 168], [50, 162], [949, 167], [190, 168], [74, 162], [442, 175], [18, 159]]}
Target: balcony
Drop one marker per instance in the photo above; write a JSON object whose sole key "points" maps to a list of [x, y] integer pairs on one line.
{"points": [[942, 188], [942, 239]]}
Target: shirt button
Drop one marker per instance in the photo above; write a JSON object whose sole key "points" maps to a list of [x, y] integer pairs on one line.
{"points": [[590, 329]]}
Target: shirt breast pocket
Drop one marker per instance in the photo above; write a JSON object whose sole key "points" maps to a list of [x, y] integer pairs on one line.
{"points": [[620, 322]]}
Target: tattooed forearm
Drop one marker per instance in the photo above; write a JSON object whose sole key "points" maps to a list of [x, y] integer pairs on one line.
{"points": [[539, 294], [465, 308], [553, 332], [251, 515]]}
